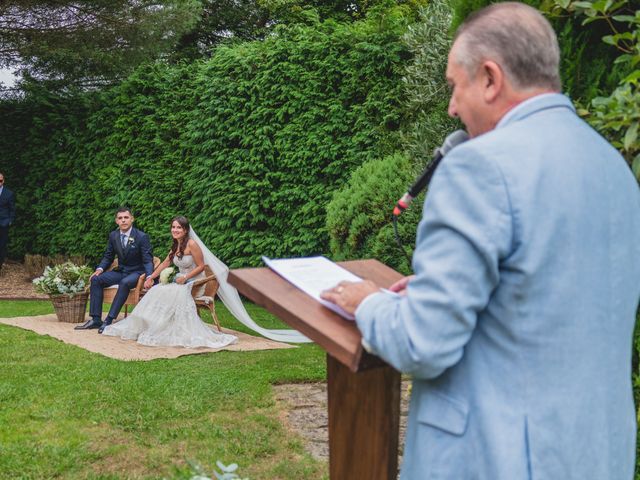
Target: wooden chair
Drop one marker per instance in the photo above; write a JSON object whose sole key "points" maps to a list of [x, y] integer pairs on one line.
{"points": [[135, 294], [207, 298]]}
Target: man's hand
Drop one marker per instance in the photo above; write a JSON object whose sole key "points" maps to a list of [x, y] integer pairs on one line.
{"points": [[96, 273], [400, 287], [348, 295]]}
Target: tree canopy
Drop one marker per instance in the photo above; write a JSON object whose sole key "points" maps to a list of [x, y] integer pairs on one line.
{"points": [[89, 42]]}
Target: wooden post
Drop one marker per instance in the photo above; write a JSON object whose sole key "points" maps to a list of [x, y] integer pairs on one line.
{"points": [[364, 422]]}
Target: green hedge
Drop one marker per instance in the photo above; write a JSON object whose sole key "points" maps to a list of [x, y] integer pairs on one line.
{"points": [[359, 216], [249, 144]]}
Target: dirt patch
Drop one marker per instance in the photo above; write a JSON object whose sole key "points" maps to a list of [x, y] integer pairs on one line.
{"points": [[303, 409], [15, 283]]}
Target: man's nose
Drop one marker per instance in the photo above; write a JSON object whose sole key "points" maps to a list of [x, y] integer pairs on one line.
{"points": [[452, 111]]}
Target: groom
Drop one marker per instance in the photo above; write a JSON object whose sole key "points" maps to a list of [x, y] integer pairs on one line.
{"points": [[133, 248]]}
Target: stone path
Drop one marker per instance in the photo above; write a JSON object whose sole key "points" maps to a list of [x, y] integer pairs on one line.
{"points": [[304, 411]]}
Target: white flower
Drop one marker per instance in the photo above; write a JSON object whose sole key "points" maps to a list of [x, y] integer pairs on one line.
{"points": [[166, 274], [65, 278]]}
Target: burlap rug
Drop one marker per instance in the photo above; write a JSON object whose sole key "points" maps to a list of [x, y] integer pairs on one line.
{"points": [[127, 349]]}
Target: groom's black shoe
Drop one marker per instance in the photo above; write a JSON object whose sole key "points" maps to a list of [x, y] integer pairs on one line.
{"points": [[105, 324], [89, 324]]}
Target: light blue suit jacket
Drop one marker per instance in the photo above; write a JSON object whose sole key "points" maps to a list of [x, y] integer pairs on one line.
{"points": [[517, 329]]}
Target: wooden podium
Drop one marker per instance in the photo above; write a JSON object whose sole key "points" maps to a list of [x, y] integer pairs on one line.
{"points": [[364, 392]]}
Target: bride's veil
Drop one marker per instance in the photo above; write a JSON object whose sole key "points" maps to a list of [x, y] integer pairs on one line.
{"points": [[231, 299]]}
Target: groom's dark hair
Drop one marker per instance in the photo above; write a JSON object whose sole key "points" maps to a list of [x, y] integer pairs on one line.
{"points": [[124, 209]]}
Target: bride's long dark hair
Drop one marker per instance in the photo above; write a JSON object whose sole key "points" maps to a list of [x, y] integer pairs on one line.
{"points": [[178, 247]]}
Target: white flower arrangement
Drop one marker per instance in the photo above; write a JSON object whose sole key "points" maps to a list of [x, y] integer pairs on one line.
{"points": [[167, 275], [66, 278]]}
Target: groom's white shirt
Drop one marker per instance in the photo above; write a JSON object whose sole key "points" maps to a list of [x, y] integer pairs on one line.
{"points": [[126, 236]]}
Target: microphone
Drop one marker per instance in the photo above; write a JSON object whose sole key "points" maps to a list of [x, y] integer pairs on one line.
{"points": [[452, 140]]}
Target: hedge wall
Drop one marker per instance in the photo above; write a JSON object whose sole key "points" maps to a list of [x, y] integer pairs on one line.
{"points": [[359, 215], [249, 144]]}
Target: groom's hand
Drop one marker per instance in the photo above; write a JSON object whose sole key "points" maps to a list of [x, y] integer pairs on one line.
{"points": [[96, 273]]}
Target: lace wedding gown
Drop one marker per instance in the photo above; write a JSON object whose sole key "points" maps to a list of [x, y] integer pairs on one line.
{"points": [[167, 316]]}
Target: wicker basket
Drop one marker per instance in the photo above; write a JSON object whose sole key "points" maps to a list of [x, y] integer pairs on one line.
{"points": [[70, 309]]}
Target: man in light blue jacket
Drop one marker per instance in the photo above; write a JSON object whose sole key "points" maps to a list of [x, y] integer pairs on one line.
{"points": [[517, 326]]}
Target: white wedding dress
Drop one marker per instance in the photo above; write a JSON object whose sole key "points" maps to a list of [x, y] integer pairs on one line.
{"points": [[167, 316]]}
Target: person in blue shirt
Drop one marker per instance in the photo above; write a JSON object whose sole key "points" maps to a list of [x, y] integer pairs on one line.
{"points": [[7, 217], [517, 326]]}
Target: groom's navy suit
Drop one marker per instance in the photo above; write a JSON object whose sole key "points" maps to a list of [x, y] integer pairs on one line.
{"points": [[133, 259]]}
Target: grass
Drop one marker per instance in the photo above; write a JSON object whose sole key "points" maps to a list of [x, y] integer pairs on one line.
{"points": [[69, 413]]}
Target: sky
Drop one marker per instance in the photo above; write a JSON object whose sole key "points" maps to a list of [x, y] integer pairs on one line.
{"points": [[6, 77]]}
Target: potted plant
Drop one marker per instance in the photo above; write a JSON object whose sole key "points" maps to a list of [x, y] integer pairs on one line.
{"points": [[67, 285]]}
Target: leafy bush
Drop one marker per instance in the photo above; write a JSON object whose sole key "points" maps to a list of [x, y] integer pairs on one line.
{"points": [[616, 115], [293, 116], [586, 65], [359, 215]]}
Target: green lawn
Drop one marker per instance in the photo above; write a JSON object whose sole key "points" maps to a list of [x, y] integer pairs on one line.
{"points": [[69, 413]]}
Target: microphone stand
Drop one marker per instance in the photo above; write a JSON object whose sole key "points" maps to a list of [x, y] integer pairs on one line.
{"points": [[408, 197], [394, 221]]}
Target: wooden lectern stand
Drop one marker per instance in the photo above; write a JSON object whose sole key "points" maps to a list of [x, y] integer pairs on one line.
{"points": [[364, 392]]}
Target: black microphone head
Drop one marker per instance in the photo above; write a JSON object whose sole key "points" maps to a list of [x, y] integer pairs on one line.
{"points": [[452, 140]]}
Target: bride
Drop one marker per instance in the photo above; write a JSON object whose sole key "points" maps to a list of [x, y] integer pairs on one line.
{"points": [[167, 314]]}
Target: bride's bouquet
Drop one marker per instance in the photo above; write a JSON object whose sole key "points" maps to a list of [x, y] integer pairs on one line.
{"points": [[168, 275]]}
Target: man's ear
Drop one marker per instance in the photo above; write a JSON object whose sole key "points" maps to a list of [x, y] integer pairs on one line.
{"points": [[494, 80]]}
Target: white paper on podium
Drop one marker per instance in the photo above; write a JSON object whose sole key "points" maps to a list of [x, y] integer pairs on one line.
{"points": [[313, 275]]}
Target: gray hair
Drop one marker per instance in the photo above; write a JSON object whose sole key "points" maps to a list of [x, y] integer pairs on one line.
{"points": [[518, 38]]}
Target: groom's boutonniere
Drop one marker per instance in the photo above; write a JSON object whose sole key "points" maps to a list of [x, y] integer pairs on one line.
{"points": [[131, 240]]}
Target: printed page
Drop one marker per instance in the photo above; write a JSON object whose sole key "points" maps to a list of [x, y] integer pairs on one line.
{"points": [[312, 275]]}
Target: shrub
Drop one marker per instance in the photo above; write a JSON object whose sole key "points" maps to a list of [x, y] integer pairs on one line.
{"points": [[359, 215], [586, 65], [616, 114]]}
